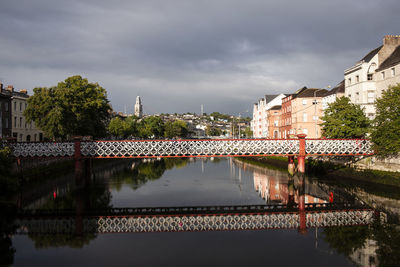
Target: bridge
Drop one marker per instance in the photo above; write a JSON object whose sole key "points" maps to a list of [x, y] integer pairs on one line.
{"points": [[299, 147], [180, 219]]}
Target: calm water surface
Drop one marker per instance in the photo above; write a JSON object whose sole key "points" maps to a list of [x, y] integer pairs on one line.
{"points": [[219, 182]]}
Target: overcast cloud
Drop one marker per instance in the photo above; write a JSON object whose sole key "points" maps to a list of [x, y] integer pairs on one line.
{"points": [[179, 54]]}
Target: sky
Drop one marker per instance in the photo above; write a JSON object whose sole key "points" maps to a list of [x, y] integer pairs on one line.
{"points": [[179, 54]]}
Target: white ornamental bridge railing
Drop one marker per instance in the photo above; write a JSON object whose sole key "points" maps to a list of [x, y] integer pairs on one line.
{"points": [[194, 148], [193, 222]]}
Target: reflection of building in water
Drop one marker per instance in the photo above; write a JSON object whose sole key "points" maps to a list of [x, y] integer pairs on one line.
{"points": [[274, 189], [366, 256]]}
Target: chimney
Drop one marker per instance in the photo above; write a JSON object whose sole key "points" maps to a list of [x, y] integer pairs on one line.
{"points": [[24, 91], [10, 88], [390, 43]]}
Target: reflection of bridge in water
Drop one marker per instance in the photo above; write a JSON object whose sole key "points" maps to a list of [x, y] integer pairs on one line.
{"points": [[210, 218]]}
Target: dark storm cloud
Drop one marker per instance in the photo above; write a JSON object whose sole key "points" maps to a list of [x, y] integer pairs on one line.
{"points": [[179, 54]]}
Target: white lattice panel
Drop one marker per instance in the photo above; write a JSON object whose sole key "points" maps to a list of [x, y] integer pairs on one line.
{"points": [[189, 148], [43, 149], [338, 147], [340, 218], [176, 223]]}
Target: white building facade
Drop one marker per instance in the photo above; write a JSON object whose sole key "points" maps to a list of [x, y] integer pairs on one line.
{"points": [[366, 80], [260, 122]]}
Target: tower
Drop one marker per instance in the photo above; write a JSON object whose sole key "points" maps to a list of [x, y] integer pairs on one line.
{"points": [[138, 107]]}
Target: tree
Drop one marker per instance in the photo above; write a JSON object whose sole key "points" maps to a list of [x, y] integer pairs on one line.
{"points": [[213, 131], [150, 127], [176, 128], [386, 132], [343, 119], [248, 132], [123, 127], [73, 107]]}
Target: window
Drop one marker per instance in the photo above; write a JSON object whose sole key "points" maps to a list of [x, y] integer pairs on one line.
{"points": [[393, 72], [357, 78], [349, 95], [383, 75], [315, 118], [15, 105], [20, 122], [20, 106], [7, 123], [304, 101], [6, 106], [369, 77], [371, 94], [349, 81], [305, 131], [15, 122], [305, 117]]}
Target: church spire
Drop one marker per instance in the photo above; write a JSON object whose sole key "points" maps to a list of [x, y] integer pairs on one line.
{"points": [[138, 107]]}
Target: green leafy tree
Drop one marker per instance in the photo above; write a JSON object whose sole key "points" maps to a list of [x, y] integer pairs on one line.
{"points": [[176, 128], [386, 132], [73, 107], [247, 132], [213, 131], [343, 119], [123, 127], [150, 127]]}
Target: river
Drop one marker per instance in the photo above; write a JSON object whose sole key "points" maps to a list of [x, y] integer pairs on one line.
{"points": [[55, 223]]}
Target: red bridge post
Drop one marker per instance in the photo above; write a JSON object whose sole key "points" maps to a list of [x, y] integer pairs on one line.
{"points": [[78, 159], [302, 153]]}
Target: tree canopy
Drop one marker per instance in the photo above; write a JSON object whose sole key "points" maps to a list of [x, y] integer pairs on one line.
{"points": [[123, 127], [343, 119], [386, 132], [176, 128], [73, 107], [152, 126]]}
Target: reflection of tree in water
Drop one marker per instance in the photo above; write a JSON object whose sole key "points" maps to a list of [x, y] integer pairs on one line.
{"points": [[388, 241], [95, 197], [346, 239], [146, 171], [7, 228]]}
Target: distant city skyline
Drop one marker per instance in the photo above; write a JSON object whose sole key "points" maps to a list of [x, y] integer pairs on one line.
{"points": [[176, 56]]}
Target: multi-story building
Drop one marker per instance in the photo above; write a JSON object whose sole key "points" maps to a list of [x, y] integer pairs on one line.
{"points": [[377, 67], [274, 114], [306, 111], [5, 114], [388, 73], [332, 95], [286, 117], [20, 128], [260, 120]]}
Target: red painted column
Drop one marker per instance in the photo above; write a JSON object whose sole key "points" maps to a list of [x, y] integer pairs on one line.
{"points": [[78, 159], [301, 158]]}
